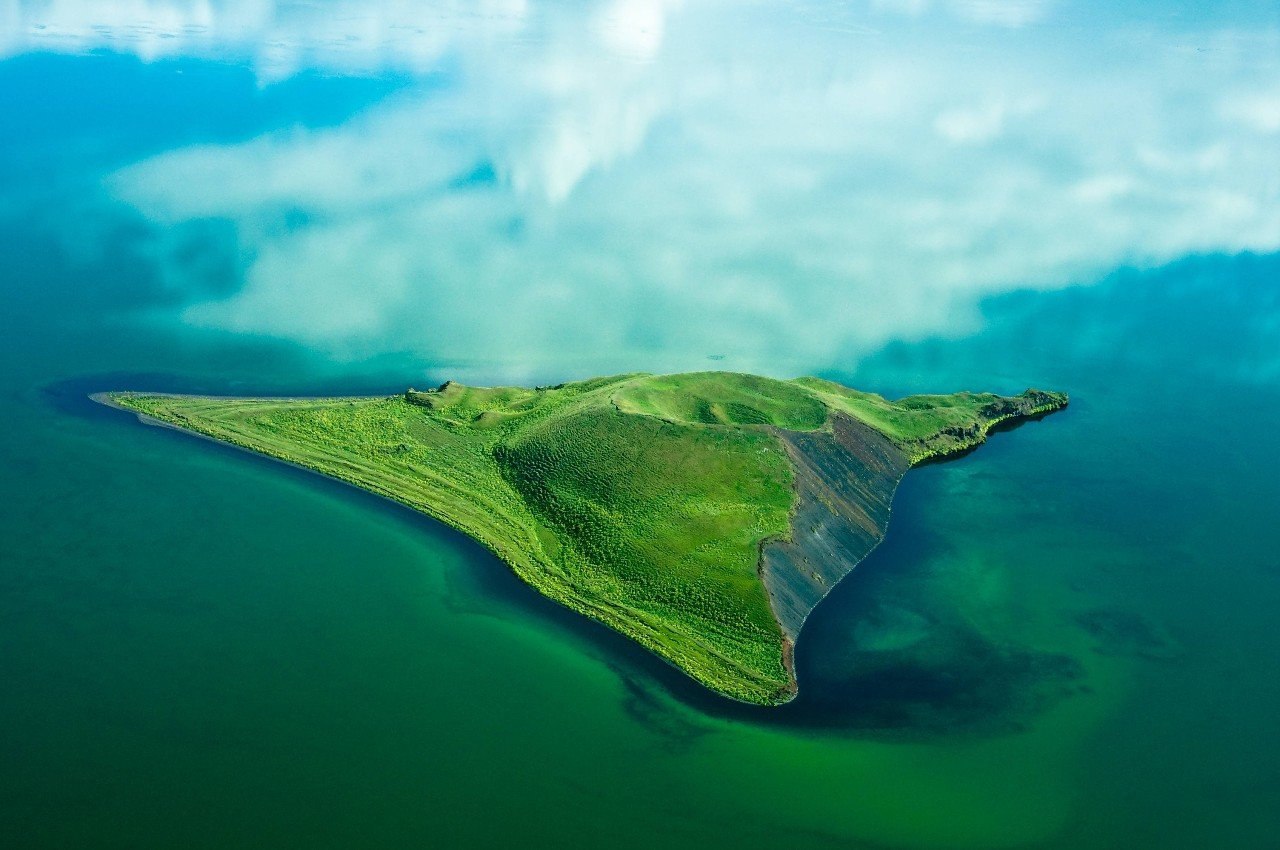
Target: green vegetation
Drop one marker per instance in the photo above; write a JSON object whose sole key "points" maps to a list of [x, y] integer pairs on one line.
{"points": [[642, 501], [723, 398], [933, 426]]}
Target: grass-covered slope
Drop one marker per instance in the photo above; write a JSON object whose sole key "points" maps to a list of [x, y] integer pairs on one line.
{"points": [[934, 426], [642, 501]]}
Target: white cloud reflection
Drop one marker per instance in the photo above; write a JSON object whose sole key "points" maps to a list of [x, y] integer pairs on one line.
{"points": [[278, 39], [1005, 13], [655, 182]]}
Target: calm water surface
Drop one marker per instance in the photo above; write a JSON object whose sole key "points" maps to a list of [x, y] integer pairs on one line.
{"points": [[1067, 640]]}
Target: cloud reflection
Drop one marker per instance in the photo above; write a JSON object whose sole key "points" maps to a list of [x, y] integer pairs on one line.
{"points": [[278, 39], [642, 183]]}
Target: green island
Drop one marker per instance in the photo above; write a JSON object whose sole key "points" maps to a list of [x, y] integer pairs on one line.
{"points": [[704, 515]]}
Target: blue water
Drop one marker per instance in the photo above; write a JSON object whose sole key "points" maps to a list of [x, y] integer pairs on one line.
{"points": [[1067, 639]]}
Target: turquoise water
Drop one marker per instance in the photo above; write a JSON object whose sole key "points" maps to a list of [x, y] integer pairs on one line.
{"points": [[1067, 639]]}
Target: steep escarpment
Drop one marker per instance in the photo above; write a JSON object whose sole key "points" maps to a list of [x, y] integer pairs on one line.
{"points": [[845, 479]]}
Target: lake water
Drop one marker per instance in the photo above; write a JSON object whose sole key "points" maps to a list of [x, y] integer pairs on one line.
{"points": [[1067, 639]]}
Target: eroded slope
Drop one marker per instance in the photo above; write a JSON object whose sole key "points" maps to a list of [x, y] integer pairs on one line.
{"points": [[845, 479]]}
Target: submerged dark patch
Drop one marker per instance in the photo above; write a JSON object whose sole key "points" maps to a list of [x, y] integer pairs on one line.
{"points": [[1118, 632], [677, 731], [953, 682]]}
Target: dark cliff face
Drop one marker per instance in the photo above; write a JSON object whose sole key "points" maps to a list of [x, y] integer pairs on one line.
{"points": [[956, 439], [1029, 403], [844, 480]]}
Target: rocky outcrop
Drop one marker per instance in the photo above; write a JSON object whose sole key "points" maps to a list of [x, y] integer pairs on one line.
{"points": [[845, 479], [955, 439], [430, 399]]}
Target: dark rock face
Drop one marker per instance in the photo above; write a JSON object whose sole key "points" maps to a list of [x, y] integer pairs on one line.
{"points": [[956, 439], [1029, 403], [845, 480]]}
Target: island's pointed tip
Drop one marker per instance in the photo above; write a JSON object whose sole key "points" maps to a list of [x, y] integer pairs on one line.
{"points": [[1046, 401], [108, 398], [1036, 391]]}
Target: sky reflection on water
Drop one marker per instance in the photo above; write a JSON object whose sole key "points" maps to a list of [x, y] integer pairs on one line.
{"points": [[1063, 643], [555, 191]]}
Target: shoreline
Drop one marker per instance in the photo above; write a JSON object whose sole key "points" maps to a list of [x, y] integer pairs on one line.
{"points": [[1009, 420], [107, 400], [858, 525]]}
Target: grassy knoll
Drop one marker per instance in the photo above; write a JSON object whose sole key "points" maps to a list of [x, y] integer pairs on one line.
{"points": [[723, 398], [930, 426], [642, 501]]}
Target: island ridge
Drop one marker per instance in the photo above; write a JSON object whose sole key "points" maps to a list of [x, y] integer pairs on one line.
{"points": [[703, 515]]}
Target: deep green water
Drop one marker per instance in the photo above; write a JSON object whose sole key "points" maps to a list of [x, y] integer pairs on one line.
{"points": [[1067, 640]]}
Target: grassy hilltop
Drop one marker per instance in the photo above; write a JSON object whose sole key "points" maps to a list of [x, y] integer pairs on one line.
{"points": [[642, 501]]}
